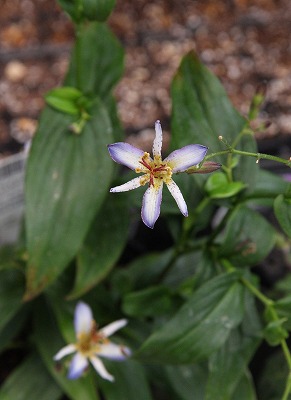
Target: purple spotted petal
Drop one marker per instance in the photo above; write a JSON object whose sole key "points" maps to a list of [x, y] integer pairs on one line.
{"points": [[151, 205], [126, 154], [113, 351], [130, 185], [83, 318], [184, 158], [78, 364], [176, 193], [157, 145], [100, 369]]}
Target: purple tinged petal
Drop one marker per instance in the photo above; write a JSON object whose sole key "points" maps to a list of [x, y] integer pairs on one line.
{"points": [[108, 330], [100, 369], [151, 204], [157, 145], [184, 158], [126, 154], [78, 364], [130, 185], [69, 349], [113, 351], [83, 318], [176, 193]]}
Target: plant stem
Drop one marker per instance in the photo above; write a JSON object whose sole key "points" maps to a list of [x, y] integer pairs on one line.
{"points": [[258, 156]]}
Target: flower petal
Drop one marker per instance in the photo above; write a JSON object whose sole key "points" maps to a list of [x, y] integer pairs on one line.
{"points": [[83, 318], [130, 185], [182, 159], [101, 370], [114, 352], [176, 193], [69, 349], [151, 204], [157, 145], [77, 366], [108, 330], [126, 154]]}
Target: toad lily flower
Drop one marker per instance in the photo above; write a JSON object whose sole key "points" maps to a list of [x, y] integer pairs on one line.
{"points": [[156, 172], [92, 343]]}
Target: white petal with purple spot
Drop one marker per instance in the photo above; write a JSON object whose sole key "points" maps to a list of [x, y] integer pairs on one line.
{"points": [[176, 193], [99, 367], [108, 330], [77, 366], [186, 157], [151, 205], [130, 185], [157, 145], [113, 351], [126, 154], [83, 318]]}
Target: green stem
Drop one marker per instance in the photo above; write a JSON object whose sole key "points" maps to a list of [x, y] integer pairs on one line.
{"points": [[287, 390], [258, 156], [78, 56]]}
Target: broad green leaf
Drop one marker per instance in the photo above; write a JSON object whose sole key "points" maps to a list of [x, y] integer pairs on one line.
{"points": [[229, 364], [130, 382], [152, 301], [48, 341], [67, 178], [30, 380], [103, 245], [188, 381], [202, 112], [248, 238], [201, 326], [100, 61], [218, 187], [245, 390], [282, 207], [11, 293]]}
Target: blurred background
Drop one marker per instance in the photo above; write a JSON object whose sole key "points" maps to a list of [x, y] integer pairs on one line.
{"points": [[244, 42]]}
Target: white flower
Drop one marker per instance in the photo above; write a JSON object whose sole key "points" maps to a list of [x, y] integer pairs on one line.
{"points": [[156, 172], [92, 344]]}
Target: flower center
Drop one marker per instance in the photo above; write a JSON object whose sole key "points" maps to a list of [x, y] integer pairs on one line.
{"points": [[90, 342], [155, 169]]}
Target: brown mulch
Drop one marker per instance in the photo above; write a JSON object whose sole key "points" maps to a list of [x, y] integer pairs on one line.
{"points": [[243, 42]]}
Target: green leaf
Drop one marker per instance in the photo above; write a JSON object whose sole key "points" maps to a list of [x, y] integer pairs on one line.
{"points": [[202, 112], [110, 228], [188, 381], [11, 293], [282, 208], [13, 328], [97, 10], [48, 342], [274, 332], [64, 99], [152, 301], [245, 389], [100, 61], [248, 238], [130, 382], [30, 381], [218, 187], [62, 198], [201, 326], [93, 10], [229, 365]]}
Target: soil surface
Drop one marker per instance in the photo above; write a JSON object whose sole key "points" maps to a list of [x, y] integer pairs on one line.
{"points": [[244, 42]]}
